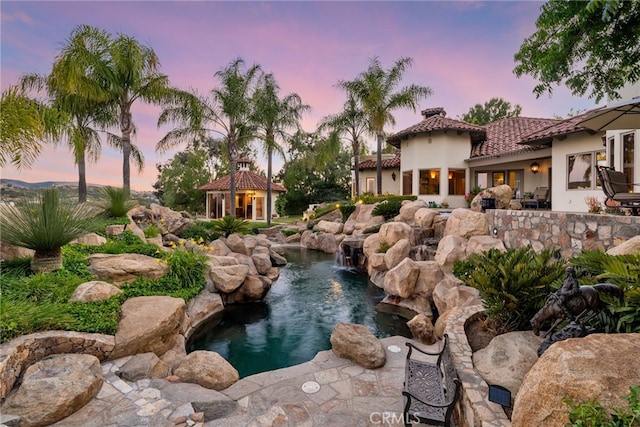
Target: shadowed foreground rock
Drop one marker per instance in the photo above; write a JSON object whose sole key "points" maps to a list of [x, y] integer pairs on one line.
{"points": [[55, 388], [600, 366], [207, 369], [357, 343]]}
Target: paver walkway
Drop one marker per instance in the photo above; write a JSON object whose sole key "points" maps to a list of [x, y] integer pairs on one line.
{"points": [[342, 394]]}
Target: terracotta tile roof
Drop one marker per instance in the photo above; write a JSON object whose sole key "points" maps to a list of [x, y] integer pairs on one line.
{"points": [[560, 128], [245, 180], [504, 135], [434, 123], [386, 163]]}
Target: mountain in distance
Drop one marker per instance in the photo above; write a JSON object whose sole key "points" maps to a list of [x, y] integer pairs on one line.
{"points": [[16, 183]]}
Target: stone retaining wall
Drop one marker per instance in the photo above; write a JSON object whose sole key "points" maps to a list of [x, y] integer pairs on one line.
{"points": [[474, 405], [19, 354], [569, 232]]}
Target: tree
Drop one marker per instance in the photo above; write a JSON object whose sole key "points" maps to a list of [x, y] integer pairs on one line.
{"points": [[120, 71], [24, 124], [86, 110], [589, 47], [351, 124], [179, 180], [375, 89], [229, 109], [492, 110], [273, 118]]}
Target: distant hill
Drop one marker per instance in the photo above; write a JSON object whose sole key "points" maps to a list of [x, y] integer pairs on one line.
{"points": [[15, 189], [46, 184]]}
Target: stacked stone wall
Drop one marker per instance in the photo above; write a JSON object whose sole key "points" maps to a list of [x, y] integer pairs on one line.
{"points": [[569, 232], [19, 354]]}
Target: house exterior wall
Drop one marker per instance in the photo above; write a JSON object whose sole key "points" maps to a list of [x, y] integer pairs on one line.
{"points": [[562, 198], [250, 198], [389, 186], [441, 150]]}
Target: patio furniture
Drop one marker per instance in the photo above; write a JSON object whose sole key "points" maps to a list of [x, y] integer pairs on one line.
{"points": [[431, 389], [540, 199], [616, 188]]}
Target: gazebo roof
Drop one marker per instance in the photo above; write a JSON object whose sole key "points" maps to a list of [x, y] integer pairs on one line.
{"points": [[245, 180]]}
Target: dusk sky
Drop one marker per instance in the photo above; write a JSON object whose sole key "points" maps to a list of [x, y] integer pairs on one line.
{"points": [[462, 50]]}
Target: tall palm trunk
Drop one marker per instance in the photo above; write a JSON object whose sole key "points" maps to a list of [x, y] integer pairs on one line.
{"points": [[126, 128], [356, 164], [82, 178], [233, 162], [379, 162], [269, 176]]}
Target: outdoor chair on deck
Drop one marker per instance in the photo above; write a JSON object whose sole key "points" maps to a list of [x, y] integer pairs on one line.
{"points": [[540, 199], [616, 188]]}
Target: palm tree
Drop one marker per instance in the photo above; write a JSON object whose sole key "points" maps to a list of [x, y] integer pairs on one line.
{"points": [[118, 71], [351, 123], [84, 114], [24, 124], [227, 113], [273, 117], [375, 89]]}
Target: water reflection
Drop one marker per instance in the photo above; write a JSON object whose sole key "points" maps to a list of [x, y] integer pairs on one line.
{"points": [[311, 296]]}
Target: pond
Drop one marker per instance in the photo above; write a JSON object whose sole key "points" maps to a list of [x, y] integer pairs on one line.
{"points": [[312, 295]]}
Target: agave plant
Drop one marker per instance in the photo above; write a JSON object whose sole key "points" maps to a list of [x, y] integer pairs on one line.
{"points": [[45, 224], [228, 225]]}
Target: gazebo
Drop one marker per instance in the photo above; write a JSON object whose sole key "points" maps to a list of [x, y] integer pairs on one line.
{"points": [[251, 195]]}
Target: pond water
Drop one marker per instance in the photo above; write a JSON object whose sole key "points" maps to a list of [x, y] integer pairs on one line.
{"points": [[312, 295]]}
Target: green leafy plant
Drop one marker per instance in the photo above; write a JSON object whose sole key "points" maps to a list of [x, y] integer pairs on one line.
{"points": [[228, 225], [151, 230], [116, 202], [592, 414], [383, 247], [369, 198], [323, 210], [513, 284], [347, 210], [45, 224], [388, 209], [201, 230]]}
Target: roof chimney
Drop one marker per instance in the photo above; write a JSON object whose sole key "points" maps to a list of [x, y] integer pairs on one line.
{"points": [[433, 112]]}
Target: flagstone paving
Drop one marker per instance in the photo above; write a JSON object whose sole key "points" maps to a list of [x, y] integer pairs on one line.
{"points": [[341, 393]]}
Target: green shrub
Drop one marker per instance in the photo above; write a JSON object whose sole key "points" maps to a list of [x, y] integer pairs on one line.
{"points": [[513, 284], [323, 210], [201, 230], [387, 209], [228, 225], [151, 231], [383, 248], [289, 232], [17, 267], [101, 222], [592, 414], [462, 269], [21, 318], [347, 210], [126, 242], [115, 202], [96, 317], [369, 199]]}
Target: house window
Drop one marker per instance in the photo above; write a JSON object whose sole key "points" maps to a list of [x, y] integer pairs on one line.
{"points": [[371, 185], [429, 181], [581, 169], [407, 182], [497, 178], [456, 182], [259, 207], [482, 179]]}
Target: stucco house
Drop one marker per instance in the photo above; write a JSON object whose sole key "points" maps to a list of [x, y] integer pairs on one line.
{"points": [[251, 195], [441, 158]]}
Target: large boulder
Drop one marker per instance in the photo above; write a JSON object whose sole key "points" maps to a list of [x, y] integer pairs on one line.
{"points": [[451, 293], [9, 252], [208, 369], [95, 290], [402, 279], [124, 268], [430, 275], [245, 260], [220, 248], [396, 253], [422, 329], [169, 220], [203, 307], [227, 278], [361, 215], [466, 223], [408, 210], [507, 359], [325, 242], [391, 232], [599, 366], [147, 324], [143, 366], [502, 194], [54, 388], [238, 244], [450, 249], [277, 260], [329, 227], [424, 217], [254, 288], [262, 260], [479, 244], [631, 247], [91, 239], [357, 343]]}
